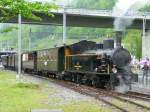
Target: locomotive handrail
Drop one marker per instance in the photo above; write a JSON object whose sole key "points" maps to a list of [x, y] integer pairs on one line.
{"points": [[87, 72], [108, 69], [82, 55]]}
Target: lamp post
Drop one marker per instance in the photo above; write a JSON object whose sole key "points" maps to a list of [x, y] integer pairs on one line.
{"points": [[64, 25], [19, 46], [144, 34], [30, 39], [144, 25]]}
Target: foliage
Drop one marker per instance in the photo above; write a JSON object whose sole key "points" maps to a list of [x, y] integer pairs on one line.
{"points": [[133, 42], [96, 4], [11, 8], [146, 8], [9, 29]]}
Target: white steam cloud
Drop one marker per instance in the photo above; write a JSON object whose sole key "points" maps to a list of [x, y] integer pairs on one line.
{"points": [[120, 10]]}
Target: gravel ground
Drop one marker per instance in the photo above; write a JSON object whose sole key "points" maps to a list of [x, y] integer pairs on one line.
{"points": [[58, 95], [60, 91], [64, 95]]}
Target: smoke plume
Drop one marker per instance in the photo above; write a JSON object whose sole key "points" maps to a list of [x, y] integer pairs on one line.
{"points": [[122, 8]]}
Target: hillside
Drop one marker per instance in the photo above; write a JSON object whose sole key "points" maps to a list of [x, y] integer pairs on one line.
{"points": [[50, 36]]}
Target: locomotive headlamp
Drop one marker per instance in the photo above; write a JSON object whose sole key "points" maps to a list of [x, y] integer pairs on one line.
{"points": [[63, 72], [114, 69]]}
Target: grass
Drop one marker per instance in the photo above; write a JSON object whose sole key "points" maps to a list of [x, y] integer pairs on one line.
{"points": [[27, 85], [18, 97], [23, 96]]}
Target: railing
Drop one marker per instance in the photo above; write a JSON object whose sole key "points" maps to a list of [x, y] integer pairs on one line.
{"points": [[107, 13]]}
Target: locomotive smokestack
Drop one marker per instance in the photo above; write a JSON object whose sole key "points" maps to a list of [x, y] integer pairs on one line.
{"points": [[119, 35]]}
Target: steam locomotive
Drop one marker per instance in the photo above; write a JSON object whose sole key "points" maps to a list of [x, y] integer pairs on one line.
{"points": [[85, 62]]}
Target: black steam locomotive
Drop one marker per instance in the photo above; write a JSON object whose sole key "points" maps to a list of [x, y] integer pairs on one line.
{"points": [[85, 62]]}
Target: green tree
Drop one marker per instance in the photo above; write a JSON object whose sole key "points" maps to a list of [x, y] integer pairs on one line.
{"points": [[11, 8], [146, 8], [98, 4], [133, 42]]}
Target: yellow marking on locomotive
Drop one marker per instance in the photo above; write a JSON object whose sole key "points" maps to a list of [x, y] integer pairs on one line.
{"points": [[68, 63], [78, 66], [82, 55], [67, 52], [65, 63]]}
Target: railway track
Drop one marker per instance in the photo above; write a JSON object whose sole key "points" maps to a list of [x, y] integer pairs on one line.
{"points": [[136, 95], [104, 95], [139, 94], [120, 101], [125, 98]]}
